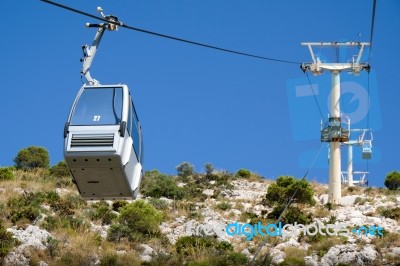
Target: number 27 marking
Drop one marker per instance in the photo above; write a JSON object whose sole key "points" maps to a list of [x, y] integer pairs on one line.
{"points": [[96, 117]]}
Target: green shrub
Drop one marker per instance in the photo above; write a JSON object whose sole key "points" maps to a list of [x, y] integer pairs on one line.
{"points": [[30, 213], [209, 168], [321, 244], [159, 185], [6, 174], [244, 173], [284, 188], [290, 216], [392, 180], [7, 242], [68, 205], [136, 220], [118, 204], [26, 206], [224, 206], [52, 197], [190, 245], [60, 170], [185, 169], [159, 204], [162, 259], [117, 232], [233, 259], [32, 157], [128, 259], [102, 211]]}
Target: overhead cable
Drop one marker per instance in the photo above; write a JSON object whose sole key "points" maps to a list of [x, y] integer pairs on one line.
{"points": [[170, 37]]}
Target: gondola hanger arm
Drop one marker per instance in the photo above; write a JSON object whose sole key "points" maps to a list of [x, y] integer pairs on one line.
{"points": [[89, 52]]}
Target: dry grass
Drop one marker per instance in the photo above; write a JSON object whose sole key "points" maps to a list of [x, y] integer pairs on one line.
{"points": [[318, 188], [390, 240], [321, 212], [346, 191]]}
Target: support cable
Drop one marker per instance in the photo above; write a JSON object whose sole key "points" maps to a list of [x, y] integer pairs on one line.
{"points": [[315, 97], [288, 204], [369, 60], [170, 37]]}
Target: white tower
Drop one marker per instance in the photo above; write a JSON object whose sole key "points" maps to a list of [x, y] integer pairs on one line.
{"points": [[334, 133]]}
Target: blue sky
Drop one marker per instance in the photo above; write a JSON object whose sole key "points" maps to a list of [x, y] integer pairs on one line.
{"points": [[196, 104]]}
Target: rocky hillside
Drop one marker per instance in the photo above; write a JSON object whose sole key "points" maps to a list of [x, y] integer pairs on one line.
{"points": [[183, 219]]}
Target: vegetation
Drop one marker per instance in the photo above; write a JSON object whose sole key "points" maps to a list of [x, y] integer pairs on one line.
{"points": [[138, 220], [185, 169], [158, 185], [60, 170], [7, 242], [209, 168], [112, 233], [32, 157], [283, 190], [392, 213], [6, 174], [392, 180], [244, 173]]}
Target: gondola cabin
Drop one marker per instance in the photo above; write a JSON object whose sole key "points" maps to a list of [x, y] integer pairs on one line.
{"points": [[103, 143]]}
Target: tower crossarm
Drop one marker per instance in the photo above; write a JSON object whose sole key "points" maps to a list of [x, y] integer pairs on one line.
{"points": [[317, 67]]}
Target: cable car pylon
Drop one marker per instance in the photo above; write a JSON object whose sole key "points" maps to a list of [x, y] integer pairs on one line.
{"points": [[366, 144], [334, 133]]}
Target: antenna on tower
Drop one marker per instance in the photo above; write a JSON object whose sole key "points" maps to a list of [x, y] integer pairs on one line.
{"points": [[334, 133]]}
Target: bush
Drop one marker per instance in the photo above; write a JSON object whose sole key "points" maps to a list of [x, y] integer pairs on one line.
{"points": [[32, 157], [283, 189], [224, 206], [185, 169], [392, 213], [6, 174], [158, 185], [392, 180], [118, 204], [136, 220], [291, 215], [321, 244], [159, 204], [26, 207], [7, 242], [244, 173], [209, 169], [190, 245], [294, 257], [60, 170], [102, 211], [230, 259]]}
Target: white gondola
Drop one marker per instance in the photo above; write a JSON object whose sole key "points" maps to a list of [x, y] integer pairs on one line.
{"points": [[103, 143], [367, 150]]}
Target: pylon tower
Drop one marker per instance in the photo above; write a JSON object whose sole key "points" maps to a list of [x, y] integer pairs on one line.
{"points": [[334, 133]]}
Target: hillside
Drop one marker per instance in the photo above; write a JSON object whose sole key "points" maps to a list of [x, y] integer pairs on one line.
{"points": [[181, 220]]}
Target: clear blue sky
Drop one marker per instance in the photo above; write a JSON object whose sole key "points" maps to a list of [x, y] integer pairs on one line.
{"points": [[196, 104]]}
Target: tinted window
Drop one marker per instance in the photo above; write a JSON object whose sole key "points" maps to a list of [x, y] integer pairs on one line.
{"points": [[98, 106], [129, 124], [136, 134]]}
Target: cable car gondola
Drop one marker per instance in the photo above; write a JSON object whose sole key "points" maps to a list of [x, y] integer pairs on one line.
{"points": [[103, 142]]}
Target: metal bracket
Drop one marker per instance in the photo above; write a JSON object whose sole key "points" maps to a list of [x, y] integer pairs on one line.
{"points": [[89, 53]]}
